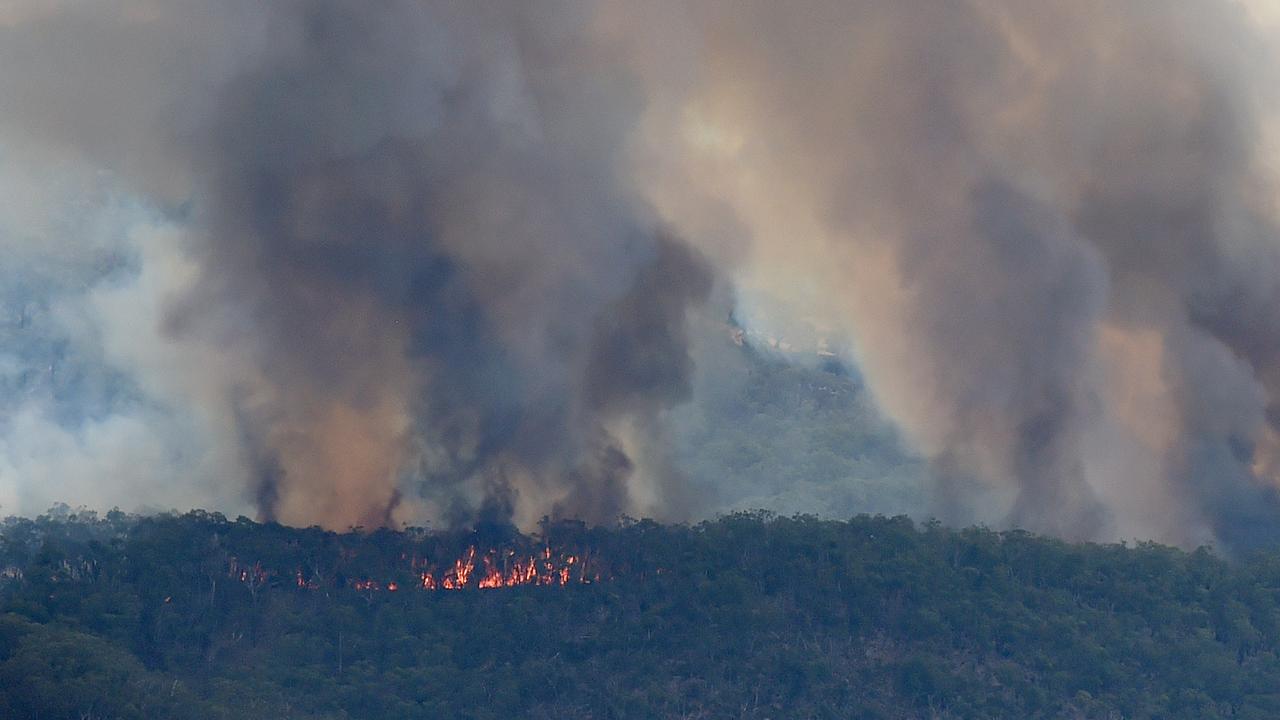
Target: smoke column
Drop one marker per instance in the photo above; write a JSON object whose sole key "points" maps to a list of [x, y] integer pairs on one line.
{"points": [[420, 287], [1049, 230], [441, 259]]}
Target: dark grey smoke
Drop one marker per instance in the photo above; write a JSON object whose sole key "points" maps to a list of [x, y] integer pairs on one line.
{"points": [[414, 235], [442, 237]]}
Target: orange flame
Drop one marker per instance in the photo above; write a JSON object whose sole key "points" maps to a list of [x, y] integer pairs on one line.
{"points": [[494, 569], [457, 578]]}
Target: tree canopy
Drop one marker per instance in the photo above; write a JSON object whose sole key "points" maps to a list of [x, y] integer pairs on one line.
{"points": [[750, 615]]}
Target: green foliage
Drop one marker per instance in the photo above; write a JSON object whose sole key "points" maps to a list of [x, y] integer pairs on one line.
{"points": [[749, 616]]}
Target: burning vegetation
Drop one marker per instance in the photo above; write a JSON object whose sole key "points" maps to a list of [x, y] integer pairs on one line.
{"points": [[503, 569], [472, 568]]}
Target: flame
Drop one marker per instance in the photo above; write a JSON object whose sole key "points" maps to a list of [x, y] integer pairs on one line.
{"points": [[489, 570], [523, 571], [253, 575], [492, 575], [512, 571], [457, 578]]}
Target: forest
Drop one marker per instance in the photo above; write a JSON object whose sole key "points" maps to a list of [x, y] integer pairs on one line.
{"points": [[750, 615]]}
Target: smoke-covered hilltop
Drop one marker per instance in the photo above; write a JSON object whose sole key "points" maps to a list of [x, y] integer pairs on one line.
{"points": [[794, 433], [366, 263]]}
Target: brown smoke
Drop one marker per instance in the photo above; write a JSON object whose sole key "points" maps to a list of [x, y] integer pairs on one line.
{"points": [[442, 259], [1025, 215]]}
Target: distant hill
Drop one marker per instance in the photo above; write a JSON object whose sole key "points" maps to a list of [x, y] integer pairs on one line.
{"points": [[794, 433], [198, 616]]}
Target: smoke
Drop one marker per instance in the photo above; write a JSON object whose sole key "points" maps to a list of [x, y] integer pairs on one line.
{"points": [[1049, 230], [442, 259], [421, 287]]}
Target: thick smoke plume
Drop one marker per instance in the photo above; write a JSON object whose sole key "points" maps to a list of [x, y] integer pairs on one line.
{"points": [[438, 259], [420, 277], [1049, 228]]}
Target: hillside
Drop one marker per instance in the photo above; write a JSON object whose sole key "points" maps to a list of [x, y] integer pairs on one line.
{"points": [[197, 616], [795, 434]]}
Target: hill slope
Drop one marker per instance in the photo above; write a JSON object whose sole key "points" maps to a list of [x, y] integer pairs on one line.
{"points": [[749, 616]]}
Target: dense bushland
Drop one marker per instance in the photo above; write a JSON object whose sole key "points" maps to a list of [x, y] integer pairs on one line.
{"points": [[748, 616]]}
